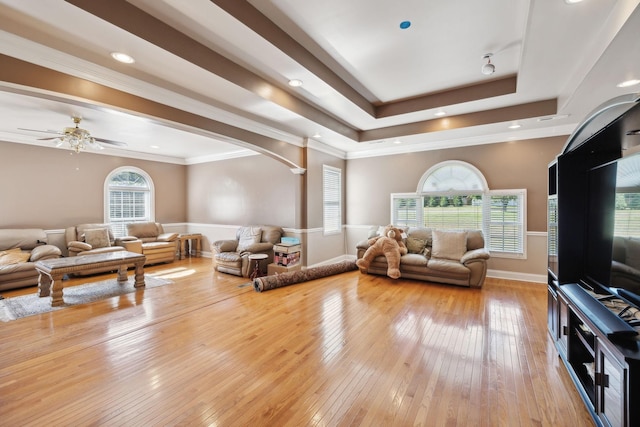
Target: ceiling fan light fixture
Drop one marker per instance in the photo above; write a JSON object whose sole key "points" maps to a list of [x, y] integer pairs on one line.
{"points": [[488, 68]]}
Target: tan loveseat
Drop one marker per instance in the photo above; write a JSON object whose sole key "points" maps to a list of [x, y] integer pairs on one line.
{"points": [[232, 256], [155, 244], [19, 250], [457, 258]]}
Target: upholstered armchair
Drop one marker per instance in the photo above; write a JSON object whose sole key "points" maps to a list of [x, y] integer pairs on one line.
{"points": [[91, 239], [232, 256], [153, 242]]}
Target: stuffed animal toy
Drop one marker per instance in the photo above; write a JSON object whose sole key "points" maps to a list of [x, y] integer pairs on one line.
{"points": [[390, 245]]}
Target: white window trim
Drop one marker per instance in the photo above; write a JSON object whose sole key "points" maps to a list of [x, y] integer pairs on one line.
{"points": [[147, 177], [326, 232]]}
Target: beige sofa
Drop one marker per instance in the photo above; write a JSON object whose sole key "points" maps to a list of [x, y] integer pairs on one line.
{"points": [[154, 243], [456, 258], [232, 256], [19, 250]]}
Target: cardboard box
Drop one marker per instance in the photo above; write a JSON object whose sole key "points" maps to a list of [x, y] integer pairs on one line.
{"points": [[277, 269]]}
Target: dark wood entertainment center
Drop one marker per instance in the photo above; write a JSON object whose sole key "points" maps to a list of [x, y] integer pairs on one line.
{"points": [[588, 314]]}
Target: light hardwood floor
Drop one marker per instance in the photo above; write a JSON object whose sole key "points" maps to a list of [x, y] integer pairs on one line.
{"points": [[349, 349]]}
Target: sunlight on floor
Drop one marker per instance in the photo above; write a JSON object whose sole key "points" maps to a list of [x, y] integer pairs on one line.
{"points": [[173, 273]]}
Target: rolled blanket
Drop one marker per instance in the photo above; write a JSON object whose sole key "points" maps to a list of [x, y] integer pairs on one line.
{"points": [[291, 278]]}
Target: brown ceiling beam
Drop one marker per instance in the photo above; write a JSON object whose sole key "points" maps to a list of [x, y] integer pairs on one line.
{"points": [[469, 93], [128, 17], [246, 13], [505, 114], [25, 74]]}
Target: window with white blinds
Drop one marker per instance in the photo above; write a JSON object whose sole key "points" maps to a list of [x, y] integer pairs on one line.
{"points": [[332, 199], [128, 199], [454, 195]]}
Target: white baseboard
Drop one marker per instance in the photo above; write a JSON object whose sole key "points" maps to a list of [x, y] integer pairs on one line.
{"points": [[522, 277]]}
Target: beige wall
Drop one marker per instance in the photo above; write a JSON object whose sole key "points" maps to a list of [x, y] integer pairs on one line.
{"points": [[246, 190], [509, 165], [52, 189]]}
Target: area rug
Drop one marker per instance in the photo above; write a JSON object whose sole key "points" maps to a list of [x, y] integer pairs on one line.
{"points": [[266, 283], [29, 305]]}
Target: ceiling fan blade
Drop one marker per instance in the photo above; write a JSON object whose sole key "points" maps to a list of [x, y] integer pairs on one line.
{"points": [[47, 139], [43, 131], [108, 141]]}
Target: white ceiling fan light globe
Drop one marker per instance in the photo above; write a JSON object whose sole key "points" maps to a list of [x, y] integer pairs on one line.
{"points": [[488, 69]]}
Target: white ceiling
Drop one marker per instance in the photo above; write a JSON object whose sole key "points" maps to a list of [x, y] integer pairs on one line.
{"points": [[356, 58]]}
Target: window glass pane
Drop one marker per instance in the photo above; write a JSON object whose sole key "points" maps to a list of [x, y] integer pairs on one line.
{"points": [[332, 199], [453, 211]]}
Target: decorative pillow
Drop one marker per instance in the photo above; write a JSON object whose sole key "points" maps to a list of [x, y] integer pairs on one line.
{"points": [[415, 246], [13, 256], [449, 244], [249, 236], [97, 237]]}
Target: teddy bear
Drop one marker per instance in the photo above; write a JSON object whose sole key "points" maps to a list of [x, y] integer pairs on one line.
{"points": [[390, 245]]}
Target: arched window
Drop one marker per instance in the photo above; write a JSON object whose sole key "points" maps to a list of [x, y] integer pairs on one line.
{"points": [[129, 197], [455, 195]]}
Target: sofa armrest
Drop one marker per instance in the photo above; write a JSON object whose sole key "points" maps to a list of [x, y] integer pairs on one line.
{"points": [[363, 244], [125, 239], [220, 246], [45, 252], [167, 237], [259, 247], [475, 255], [79, 246]]}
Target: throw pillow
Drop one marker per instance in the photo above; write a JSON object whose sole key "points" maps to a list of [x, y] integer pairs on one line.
{"points": [[449, 244], [97, 237], [13, 256], [415, 246], [249, 236]]}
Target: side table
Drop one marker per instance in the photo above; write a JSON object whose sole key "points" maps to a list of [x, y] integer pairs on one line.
{"points": [[189, 241], [254, 265]]}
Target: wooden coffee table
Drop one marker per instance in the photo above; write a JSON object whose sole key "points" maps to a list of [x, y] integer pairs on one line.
{"points": [[53, 270]]}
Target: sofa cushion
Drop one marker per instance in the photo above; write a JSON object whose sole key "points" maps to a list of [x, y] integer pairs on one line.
{"points": [[416, 246], [45, 252], [449, 244], [13, 256], [248, 236], [413, 259], [97, 237]]}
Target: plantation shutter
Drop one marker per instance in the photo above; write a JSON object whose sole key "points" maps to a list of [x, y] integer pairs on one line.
{"points": [[406, 210], [504, 221], [332, 199], [128, 200]]}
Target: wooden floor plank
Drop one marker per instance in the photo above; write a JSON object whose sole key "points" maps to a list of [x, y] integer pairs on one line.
{"points": [[350, 349]]}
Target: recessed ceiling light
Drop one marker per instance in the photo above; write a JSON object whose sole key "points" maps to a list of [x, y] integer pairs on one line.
{"points": [[572, 1], [515, 126], [295, 82], [397, 141], [122, 57], [440, 113], [317, 135], [154, 146], [628, 83]]}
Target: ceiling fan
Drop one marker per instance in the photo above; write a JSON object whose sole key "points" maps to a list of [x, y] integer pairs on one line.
{"points": [[77, 137]]}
